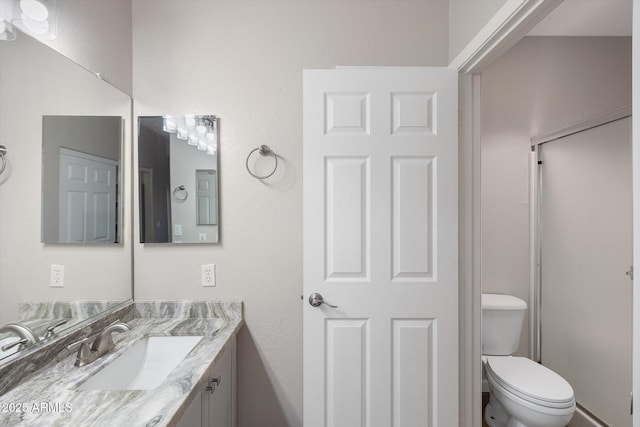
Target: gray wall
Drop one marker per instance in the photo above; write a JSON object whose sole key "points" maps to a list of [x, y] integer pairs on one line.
{"points": [[540, 85], [466, 19], [243, 61]]}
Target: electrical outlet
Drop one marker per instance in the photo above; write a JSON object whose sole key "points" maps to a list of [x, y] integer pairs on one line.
{"points": [[208, 274], [56, 279]]}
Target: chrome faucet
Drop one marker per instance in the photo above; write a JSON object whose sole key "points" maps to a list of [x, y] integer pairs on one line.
{"points": [[102, 344], [27, 336], [51, 329]]}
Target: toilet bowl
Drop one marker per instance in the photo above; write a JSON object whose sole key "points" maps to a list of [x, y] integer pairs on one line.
{"points": [[526, 394], [522, 392]]}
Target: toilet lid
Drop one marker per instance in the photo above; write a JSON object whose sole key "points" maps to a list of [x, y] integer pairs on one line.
{"points": [[530, 379]]}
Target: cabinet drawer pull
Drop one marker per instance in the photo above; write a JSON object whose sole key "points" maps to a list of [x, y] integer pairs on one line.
{"points": [[213, 383]]}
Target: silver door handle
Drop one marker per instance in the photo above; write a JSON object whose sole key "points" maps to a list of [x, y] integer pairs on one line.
{"points": [[316, 300]]}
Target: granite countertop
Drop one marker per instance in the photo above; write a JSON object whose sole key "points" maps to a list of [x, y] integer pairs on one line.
{"points": [[49, 397]]}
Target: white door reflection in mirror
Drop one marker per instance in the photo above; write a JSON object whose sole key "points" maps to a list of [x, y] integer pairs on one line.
{"points": [[87, 198], [206, 197]]}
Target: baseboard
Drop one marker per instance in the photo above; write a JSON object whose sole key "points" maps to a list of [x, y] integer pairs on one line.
{"points": [[583, 418]]}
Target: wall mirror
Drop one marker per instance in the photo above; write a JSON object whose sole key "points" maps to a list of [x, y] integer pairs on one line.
{"points": [[178, 179], [81, 179], [41, 90]]}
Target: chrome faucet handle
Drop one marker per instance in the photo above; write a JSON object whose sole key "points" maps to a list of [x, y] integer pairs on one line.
{"points": [[77, 344], [84, 355], [21, 342], [115, 322], [52, 327]]}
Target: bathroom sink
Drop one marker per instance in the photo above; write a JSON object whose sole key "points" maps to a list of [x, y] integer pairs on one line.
{"points": [[144, 365]]}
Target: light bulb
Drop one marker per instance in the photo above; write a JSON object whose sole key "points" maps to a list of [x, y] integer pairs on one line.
{"points": [[211, 136], [202, 145], [193, 139], [182, 133], [211, 150], [38, 28], [34, 10], [201, 129], [169, 124]]}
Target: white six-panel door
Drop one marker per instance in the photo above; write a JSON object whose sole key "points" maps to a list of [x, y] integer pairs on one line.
{"points": [[87, 199], [380, 243]]}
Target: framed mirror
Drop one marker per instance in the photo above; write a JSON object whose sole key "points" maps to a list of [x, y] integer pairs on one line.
{"points": [[178, 179], [43, 93]]}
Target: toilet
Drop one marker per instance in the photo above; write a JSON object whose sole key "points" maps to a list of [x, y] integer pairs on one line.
{"points": [[522, 392]]}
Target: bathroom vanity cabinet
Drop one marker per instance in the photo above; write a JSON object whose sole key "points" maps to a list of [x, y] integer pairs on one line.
{"points": [[198, 392], [215, 406]]}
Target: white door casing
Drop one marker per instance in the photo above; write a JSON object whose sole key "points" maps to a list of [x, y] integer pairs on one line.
{"points": [[380, 241], [88, 196]]}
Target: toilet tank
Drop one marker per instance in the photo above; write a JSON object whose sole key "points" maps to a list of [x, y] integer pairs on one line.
{"points": [[502, 317]]}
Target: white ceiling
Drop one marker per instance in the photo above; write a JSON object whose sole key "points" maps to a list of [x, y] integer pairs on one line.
{"points": [[588, 18]]}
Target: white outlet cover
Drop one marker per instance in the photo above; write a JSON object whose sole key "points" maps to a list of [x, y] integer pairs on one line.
{"points": [[56, 277], [208, 275]]}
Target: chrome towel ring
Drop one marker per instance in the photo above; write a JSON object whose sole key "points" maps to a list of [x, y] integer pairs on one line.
{"points": [[263, 150], [180, 193], [3, 160]]}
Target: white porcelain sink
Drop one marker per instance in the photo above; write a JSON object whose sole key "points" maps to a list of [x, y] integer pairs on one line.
{"points": [[144, 365]]}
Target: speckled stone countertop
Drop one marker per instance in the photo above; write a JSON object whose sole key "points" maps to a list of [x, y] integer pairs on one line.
{"points": [[49, 397]]}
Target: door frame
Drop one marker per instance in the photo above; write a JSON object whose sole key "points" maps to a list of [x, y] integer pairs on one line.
{"points": [[635, 155], [508, 26]]}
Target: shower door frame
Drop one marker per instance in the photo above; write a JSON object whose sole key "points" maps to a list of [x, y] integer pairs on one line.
{"points": [[535, 202], [537, 225]]}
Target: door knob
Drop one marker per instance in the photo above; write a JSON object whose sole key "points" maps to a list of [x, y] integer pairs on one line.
{"points": [[316, 300]]}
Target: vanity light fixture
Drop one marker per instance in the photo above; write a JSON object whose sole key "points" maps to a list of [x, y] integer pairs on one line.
{"points": [[34, 10], [7, 32], [35, 17], [199, 131]]}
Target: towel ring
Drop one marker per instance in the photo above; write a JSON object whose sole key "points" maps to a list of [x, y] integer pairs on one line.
{"points": [[3, 160], [178, 190], [263, 150]]}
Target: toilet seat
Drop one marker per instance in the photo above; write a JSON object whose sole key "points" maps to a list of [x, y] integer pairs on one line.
{"points": [[530, 381]]}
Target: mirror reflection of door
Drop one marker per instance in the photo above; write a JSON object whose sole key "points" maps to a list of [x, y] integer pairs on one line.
{"points": [[206, 197], [87, 198], [81, 176]]}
